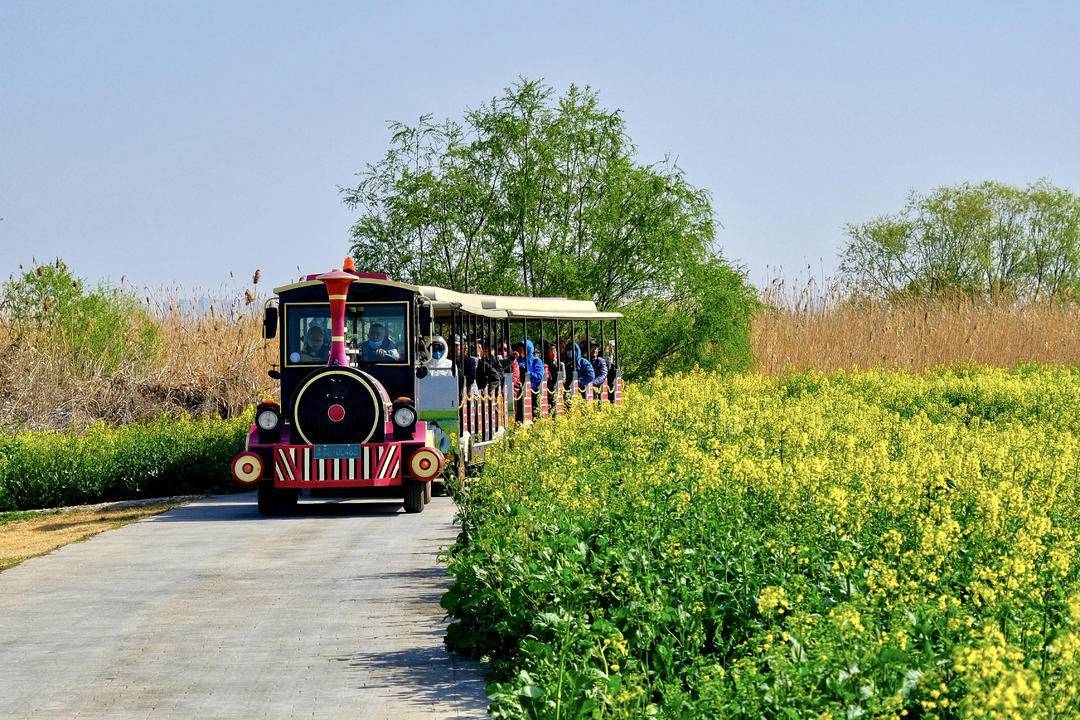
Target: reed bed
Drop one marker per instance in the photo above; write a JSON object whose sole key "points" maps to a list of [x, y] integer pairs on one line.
{"points": [[820, 326], [210, 361]]}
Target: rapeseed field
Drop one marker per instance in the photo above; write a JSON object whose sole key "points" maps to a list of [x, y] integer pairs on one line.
{"points": [[870, 544]]}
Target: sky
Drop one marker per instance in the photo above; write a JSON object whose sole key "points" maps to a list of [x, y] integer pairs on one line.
{"points": [[179, 142]]}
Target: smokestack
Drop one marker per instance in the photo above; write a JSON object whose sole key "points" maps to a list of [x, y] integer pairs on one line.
{"points": [[337, 287]]}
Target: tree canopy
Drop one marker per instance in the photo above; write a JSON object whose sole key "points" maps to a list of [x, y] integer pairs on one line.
{"points": [[540, 194], [986, 238]]}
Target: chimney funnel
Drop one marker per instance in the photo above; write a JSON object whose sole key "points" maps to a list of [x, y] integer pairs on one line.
{"points": [[337, 288]]}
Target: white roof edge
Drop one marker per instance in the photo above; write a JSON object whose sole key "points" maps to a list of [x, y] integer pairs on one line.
{"points": [[493, 306], [448, 305], [546, 314], [367, 281], [516, 305]]}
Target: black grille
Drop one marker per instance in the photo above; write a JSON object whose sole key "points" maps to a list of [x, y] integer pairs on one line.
{"points": [[327, 387]]}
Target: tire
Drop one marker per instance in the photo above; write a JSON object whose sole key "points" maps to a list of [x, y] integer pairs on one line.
{"points": [[287, 500], [427, 492], [273, 501], [414, 496], [268, 499]]}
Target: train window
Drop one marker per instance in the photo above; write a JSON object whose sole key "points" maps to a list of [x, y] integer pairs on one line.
{"points": [[307, 333], [375, 333]]}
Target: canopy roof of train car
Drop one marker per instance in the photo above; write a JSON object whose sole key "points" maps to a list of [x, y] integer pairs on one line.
{"points": [[515, 306], [494, 306]]}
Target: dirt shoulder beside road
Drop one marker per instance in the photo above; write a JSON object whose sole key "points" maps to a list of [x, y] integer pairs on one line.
{"points": [[31, 533]]}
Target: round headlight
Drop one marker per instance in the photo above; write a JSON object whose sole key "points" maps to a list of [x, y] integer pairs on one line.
{"points": [[404, 416], [267, 419]]}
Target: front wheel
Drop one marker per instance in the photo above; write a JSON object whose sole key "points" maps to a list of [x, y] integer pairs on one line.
{"points": [[427, 491], [414, 496], [268, 499], [273, 501]]}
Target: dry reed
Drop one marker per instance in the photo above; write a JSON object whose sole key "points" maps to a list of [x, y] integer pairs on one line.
{"points": [[821, 327], [212, 360]]}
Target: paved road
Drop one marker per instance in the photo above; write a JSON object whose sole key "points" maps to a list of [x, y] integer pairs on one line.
{"points": [[209, 611]]}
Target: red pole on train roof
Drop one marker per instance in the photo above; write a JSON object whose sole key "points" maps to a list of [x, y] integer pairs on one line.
{"points": [[337, 287]]}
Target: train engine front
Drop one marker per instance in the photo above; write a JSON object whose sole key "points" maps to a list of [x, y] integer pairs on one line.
{"points": [[347, 417]]}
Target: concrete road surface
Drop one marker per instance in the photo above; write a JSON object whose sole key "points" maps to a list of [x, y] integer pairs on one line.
{"points": [[210, 611]]}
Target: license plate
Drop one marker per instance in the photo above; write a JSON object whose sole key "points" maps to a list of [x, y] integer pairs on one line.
{"points": [[337, 452]]}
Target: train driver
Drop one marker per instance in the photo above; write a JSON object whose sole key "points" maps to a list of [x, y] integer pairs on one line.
{"points": [[378, 347]]}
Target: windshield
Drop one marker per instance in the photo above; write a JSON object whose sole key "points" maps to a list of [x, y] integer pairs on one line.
{"points": [[375, 333]]}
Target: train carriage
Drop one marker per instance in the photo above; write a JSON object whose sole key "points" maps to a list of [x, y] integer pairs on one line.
{"points": [[365, 405]]}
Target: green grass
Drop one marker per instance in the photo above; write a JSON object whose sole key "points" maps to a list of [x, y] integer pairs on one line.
{"points": [[16, 516]]}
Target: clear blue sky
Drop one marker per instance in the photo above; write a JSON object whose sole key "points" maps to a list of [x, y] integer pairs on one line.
{"points": [[176, 142]]}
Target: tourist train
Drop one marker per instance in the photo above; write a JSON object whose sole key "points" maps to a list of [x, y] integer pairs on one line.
{"points": [[383, 382]]}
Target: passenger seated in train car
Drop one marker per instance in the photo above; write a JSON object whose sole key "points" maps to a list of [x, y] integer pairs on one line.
{"points": [[527, 360], [566, 357], [439, 363], [469, 362], [599, 364], [453, 353], [480, 373], [313, 347], [551, 359], [460, 351], [380, 348], [583, 367], [551, 355]]}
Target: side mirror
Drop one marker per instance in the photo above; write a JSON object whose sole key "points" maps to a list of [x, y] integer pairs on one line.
{"points": [[270, 319], [421, 372], [423, 317], [274, 374]]}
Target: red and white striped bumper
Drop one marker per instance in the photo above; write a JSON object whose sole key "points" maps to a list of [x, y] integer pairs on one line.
{"points": [[296, 466]]}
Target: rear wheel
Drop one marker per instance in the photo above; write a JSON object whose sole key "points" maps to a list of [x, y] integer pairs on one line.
{"points": [[414, 496], [427, 492]]}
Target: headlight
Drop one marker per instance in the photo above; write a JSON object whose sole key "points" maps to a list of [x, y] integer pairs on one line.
{"points": [[404, 416], [267, 419]]}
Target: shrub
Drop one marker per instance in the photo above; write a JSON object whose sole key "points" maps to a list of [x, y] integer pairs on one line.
{"points": [[71, 355], [168, 456], [851, 545], [99, 330], [704, 323]]}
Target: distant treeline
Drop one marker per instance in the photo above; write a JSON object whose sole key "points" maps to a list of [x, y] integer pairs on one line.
{"points": [[990, 238]]}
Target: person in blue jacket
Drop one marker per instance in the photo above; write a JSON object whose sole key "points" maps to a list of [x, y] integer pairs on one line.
{"points": [[526, 358], [584, 368]]}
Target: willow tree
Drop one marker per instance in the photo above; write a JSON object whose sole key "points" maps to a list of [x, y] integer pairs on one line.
{"points": [[534, 193]]}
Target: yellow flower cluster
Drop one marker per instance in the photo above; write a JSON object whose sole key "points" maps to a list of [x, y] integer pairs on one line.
{"points": [[773, 601]]}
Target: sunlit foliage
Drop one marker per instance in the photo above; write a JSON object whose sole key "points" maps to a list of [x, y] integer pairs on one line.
{"points": [[811, 546]]}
